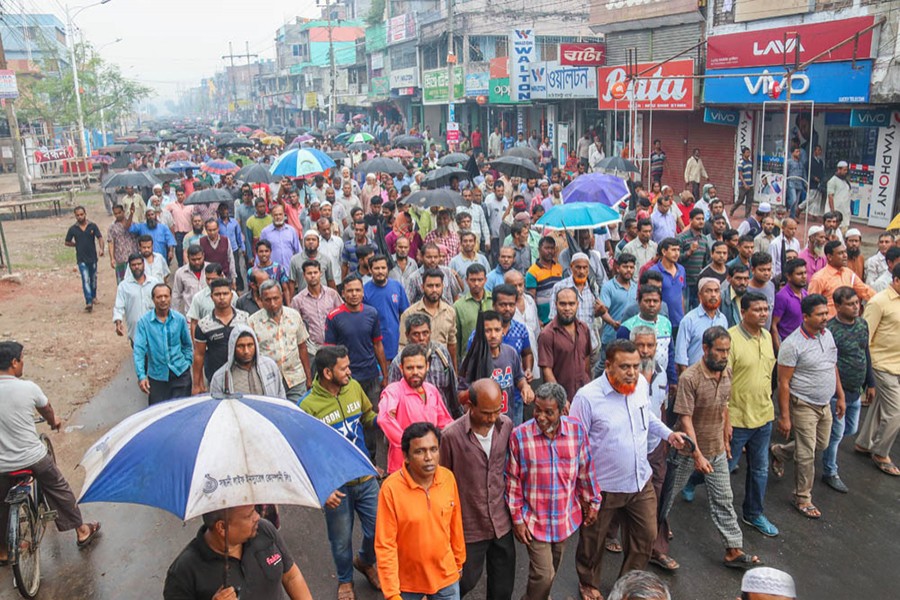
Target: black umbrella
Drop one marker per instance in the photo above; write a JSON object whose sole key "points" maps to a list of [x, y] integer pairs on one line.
{"points": [[337, 155], [164, 174], [407, 140], [514, 166], [381, 164], [130, 179], [454, 158], [147, 139], [444, 198], [136, 148], [183, 140], [330, 132], [122, 161], [472, 167], [209, 196], [236, 142], [523, 152], [617, 164], [359, 146], [255, 173], [441, 177], [168, 138]]}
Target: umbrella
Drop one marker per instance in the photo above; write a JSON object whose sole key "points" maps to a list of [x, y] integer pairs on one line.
{"points": [[183, 140], [272, 140], [130, 179], [895, 223], [523, 152], [302, 162], [302, 138], [515, 166], [182, 165], [360, 137], [359, 147], [201, 454], [617, 164], [381, 164], [243, 129], [332, 132], [168, 138], [342, 137], [164, 174], [441, 177], [408, 140], [209, 196], [337, 155], [578, 215], [147, 139], [236, 142], [597, 187], [454, 158], [220, 167], [177, 155], [255, 173], [103, 159], [444, 198], [258, 134], [135, 148], [122, 162], [359, 116], [401, 153]]}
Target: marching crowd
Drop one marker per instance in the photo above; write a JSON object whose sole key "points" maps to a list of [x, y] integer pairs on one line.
{"points": [[511, 384]]}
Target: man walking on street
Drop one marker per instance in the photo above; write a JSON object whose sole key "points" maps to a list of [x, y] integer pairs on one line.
{"points": [[162, 350], [474, 448], [188, 279], [212, 335], [246, 371], [315, 302], [836, 274], [694, 171], [389, 299], [565, 346], [745, 179], [122, 243], [81, 236]]}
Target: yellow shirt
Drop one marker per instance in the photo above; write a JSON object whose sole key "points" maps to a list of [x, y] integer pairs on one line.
{"points": [[751, 360], [883, 316]]}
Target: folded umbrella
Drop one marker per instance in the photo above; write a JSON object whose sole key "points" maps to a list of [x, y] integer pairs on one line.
{"points": [[578, 215], [597, 187]]}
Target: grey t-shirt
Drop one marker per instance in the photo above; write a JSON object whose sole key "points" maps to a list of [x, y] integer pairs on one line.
{"points": [[297, 270], [20, 445], [814, 360], [769, 292]]}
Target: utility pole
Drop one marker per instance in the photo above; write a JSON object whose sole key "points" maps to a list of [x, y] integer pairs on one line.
{"points": [[231, 56], [15, 134], [451, 64], [333, 101]]}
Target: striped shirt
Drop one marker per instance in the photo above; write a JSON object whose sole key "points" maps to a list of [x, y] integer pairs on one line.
{"points": [[542, 280], [745, 168], [546, 477], [657, 161]]}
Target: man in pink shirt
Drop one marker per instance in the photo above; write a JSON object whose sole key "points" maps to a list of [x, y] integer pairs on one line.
{"points": [[814, 253], [410, 400], [181, 223]]}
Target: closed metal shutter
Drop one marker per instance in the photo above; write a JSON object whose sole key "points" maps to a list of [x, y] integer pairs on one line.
{"points": [[653, 44]]}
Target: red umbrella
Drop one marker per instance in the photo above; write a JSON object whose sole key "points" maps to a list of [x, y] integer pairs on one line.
{"points": [[243, 129], [400, 153], [177, 155], [220, 167], [103, 159]]}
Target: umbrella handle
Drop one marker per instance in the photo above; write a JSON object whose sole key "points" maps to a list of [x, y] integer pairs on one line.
{"points": [[225, 573]]}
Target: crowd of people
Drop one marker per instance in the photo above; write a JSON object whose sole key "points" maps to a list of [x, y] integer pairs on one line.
{"points": [[510, 383]]}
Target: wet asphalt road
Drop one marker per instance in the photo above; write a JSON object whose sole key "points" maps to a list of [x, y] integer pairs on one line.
{"points": [[853, 552]]}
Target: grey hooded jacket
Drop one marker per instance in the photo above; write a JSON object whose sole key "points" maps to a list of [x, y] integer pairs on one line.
{"points": [[269, 374]]}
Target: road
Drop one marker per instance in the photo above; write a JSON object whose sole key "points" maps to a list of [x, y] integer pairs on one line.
{"points": [[852, 552]]}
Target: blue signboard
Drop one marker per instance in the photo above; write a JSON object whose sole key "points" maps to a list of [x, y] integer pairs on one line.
{"points": [[833, 83], [721, 116], [862, 117]]}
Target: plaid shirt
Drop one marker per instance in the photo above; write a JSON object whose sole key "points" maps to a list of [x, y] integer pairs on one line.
{"points": [[547, 477], [449, 245]]}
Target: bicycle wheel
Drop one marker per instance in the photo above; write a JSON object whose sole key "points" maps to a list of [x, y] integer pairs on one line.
{"points": [[23, 537]]}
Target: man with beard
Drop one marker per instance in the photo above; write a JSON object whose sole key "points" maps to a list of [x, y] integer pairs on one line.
{"points": [[196, 232], [732, 291], [764, 238], [133, 297], [886, 279], [446, 240], [836, 274], [331, 247], [161, 236], [283, 238], [155, 263], [688, 344], [589, 305], [250, 302], [814, 253], [606, 406], [643, 248], [761, 280], [781, 246], [505, 262], [431, 260], [389, 299], [188, 279], [565, 346], [702, 408], [838, 191], [310, 252], [217, 248], [876, 265], [246, 371], [441, 313], [405, 268], [856, 262]]}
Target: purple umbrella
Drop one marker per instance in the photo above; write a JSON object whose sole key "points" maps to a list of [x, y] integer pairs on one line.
{"points": [[597, 187]]}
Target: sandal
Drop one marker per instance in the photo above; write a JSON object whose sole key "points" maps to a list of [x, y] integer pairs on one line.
{"points": [[743, 561], [860, 450], [887, 467], [776, 464], [664, 561], [368, 572], [95, 529], [345, 592], [589, 593], [613, 545], [809, 510]]}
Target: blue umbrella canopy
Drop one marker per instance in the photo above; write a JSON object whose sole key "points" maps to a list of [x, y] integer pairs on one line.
{"points": [[597, 187], [301, 162], [578, 215]]}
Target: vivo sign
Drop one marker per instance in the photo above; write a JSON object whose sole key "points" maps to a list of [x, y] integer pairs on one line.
{"points": [[721, 116], [770, 47], [817, 83], [670, 86]]}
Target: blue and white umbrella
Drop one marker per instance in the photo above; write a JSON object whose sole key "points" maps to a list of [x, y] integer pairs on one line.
{"points": [[597, 187], [182, 165], [200, 454], [301, 162], [578, 215]]}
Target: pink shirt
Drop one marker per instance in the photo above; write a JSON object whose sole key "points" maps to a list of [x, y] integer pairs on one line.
{"points": [[400, 407], [181, 216]]}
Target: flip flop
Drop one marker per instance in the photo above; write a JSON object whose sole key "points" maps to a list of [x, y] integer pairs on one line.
{"points": [[613, 545], [664, 561], [95, 529], [743, 562], [809, 511], [887, 467], [589, 593], [368, 572], [345, 592]]}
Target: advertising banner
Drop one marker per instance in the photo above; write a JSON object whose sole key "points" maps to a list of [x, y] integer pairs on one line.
{"points": [[550, 80], [523, 54], [887, 155], [400, 28], [8, 88], [436, 85], [612, 12], [721, 116], [55, 154], [478, 84], [404, 78], [870, 117], [583, 55], [668, 87]]}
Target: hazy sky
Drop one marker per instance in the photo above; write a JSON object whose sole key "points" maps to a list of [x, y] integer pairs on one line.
{"points": [[168, 44]]}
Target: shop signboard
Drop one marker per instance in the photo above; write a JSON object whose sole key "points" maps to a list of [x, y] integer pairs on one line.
{"points": [[721, 116], [8, 88], [379, 86], [55, 154], [870, 117], [401, 28], [477, 84], [752, 10], [743, 139], [615, 12], [522, 56], [377, 61], [452, 133], [404, 78], [550, 80], [436, 85], [669, 86], [887, 157], [767, 47], [499, 67], [816, 84], [499, 91], [583, 54]]}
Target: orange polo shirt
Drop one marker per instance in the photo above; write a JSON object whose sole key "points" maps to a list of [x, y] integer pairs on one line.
{"points": [[827, 279], [421, 530]]}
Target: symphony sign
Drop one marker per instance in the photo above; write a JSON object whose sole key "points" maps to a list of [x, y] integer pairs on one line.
{"points": [[669, 86], [887, 155], [582, 55]]}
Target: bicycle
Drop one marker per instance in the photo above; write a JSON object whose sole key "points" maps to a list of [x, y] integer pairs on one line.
{"points": [[29, 514]]}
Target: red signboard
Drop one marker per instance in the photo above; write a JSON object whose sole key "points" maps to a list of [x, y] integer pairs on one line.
{"points": [[499, 67], [769, 47], [669, 86], [55, 154], [582, 55]]}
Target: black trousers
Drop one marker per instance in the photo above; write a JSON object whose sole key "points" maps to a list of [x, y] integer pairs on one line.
{"points": [[239, 275], [500, 555], [179, 248], [178, 386]]}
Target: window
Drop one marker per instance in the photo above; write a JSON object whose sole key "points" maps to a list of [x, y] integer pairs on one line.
{"points": [[296, 49], [403, 58]]}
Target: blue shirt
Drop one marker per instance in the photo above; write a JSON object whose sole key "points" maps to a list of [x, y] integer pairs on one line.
{"points": [[494, 278], [232, 230], [689, 343], [663, 224], [358, 331], [284, 240], [673, 292], [746, 169], [390, 301], [167, 345], [161, 234], [348, 255], [616, 298]]}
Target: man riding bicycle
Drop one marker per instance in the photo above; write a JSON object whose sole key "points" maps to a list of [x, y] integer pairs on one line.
{"points": [[21, 448]]}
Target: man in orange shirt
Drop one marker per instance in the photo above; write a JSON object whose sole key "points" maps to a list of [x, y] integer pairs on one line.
{"points": [[835, 274], [419, 517]]}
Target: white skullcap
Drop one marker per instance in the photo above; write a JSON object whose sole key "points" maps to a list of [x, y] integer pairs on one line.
{"points": [[766, 580], [852, 232], [842, 164], [324, 203], [764, 207], [706, 281], [310, 233], [157, 186], [816, 229], [580, 256]]}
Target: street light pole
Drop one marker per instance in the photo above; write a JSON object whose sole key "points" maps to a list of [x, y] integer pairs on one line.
{"points": [[70, 38]]}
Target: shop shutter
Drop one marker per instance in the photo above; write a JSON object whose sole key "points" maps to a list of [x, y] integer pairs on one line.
{"points": [[652, 45]]}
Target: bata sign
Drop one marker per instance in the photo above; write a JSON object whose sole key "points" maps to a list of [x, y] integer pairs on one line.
{"points": [[669, 86], [582, 55]]}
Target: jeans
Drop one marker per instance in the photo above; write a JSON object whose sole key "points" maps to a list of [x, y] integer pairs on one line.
{"points": [[451, 592], [793, 200], [756, 441], [362, 499], [88, 281], [517, 412], [840, 428]]}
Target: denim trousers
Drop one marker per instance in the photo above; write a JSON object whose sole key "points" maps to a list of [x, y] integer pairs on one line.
{"points": [[361, 499], [840, 428], [793, 199], [756, 441], [451, 592], [88, 272]]}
